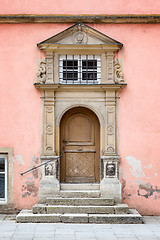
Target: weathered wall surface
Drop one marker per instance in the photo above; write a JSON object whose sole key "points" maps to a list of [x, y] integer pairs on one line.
{"points": [[139, 128]]}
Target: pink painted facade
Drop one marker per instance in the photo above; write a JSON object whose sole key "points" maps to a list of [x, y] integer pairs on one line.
{"points": [[139, 128]]}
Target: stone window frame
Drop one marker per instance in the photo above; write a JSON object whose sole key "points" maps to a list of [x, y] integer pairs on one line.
{"points": [[8, 152]]}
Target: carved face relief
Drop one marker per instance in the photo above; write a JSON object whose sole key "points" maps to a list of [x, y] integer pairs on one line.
{"points": [[110, 169], [49, 169]]}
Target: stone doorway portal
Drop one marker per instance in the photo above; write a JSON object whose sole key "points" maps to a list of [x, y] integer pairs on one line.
{"points": [[80, 145]]}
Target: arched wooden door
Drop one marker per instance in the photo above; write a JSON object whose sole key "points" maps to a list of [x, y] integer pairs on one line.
{"points": [[80, 145]]}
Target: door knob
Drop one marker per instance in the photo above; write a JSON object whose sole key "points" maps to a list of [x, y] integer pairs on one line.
{"points": [[64, 141]]}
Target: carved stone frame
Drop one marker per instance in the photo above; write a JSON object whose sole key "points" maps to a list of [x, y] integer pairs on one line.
{"points": [[55, 103]]}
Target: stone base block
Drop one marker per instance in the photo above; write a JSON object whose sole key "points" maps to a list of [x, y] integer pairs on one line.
{"points": [[111, 188], [48, 186]]}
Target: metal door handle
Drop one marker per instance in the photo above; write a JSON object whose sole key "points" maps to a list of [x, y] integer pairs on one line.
{"points": [[64, 141]]}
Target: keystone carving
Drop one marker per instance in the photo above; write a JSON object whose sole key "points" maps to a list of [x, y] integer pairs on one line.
{"points": [[118, 72], [41, 74]]}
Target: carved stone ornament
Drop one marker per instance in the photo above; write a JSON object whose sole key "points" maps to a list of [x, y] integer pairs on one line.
{"points": [[118, 72], [110, 149], [48, 169], [41, 74], [80, 37], [110, 169], [49, 129]]}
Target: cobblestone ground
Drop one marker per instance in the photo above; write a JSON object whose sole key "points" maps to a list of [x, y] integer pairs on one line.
{"points": [[9, 229]]}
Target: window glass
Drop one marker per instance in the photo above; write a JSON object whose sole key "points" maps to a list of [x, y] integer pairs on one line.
{"points": [[80, 69], [3, 178], [2, 165], [2, 185]]}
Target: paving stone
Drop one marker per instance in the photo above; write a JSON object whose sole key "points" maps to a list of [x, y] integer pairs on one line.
{"points": [[64, 231], [45, 234], [127, 238], [65, 225], [85, 238], [146, 237], [106, 237], [22, 237], [65, 237], [44, 238]]}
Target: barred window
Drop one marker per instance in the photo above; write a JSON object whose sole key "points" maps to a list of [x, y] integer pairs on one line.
{"points": [[3, 178], [80, 69]]}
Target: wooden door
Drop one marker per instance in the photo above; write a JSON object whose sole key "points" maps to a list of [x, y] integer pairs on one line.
{"points": [[80, 136]]}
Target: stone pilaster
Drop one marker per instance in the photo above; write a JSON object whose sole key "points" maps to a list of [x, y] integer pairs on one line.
{"points": [[49, 67], [110, 67], [48, 135], [110, 126]]}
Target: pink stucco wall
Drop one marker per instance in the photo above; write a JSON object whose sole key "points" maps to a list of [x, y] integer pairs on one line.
{"points": [[80, 7], [139, 128]]}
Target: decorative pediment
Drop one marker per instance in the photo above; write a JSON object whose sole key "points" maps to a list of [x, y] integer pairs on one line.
{"points": [[80, 34], [80, 55]]}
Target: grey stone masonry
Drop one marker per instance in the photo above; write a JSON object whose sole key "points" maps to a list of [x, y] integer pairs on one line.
{"points": [[80, 210], [80, 201], [27, 216], [62, 209]]}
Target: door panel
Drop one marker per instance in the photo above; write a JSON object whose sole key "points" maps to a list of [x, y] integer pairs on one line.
{"points": [[80, 146]]}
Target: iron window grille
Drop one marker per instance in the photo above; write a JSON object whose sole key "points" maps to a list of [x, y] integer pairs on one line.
{"points": [[3, 178], [80, 69]]}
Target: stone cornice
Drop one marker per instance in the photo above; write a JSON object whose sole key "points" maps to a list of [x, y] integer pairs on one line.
{"points": [[79, 87], [44, 18]]}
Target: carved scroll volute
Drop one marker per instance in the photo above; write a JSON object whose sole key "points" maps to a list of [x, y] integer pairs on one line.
{"points": [[110, 132], [41, 73], [118, 73], [110, 67], [49, 67], [48, 127]]}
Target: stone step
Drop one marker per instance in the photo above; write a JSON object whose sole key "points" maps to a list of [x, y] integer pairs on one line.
{"points": [[82, 186], [79, 193], [80, 201], [64, 209], [27, 216]]}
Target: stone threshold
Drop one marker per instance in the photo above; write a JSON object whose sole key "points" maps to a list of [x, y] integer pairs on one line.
{"points": [[82, 186]]}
